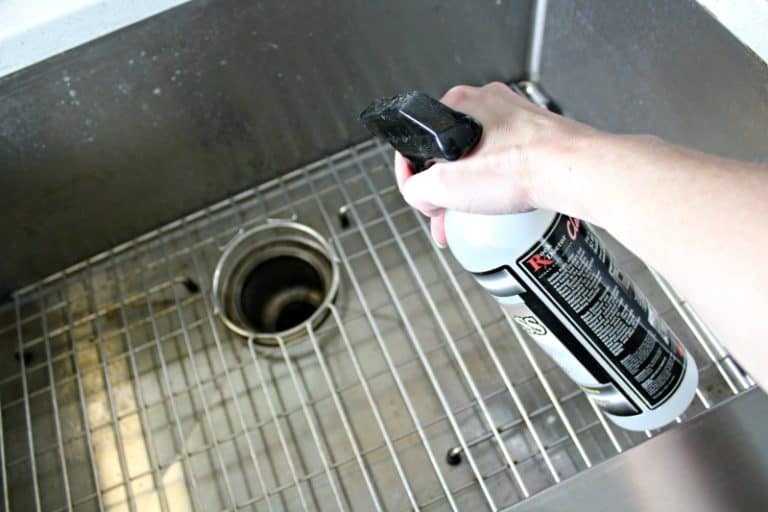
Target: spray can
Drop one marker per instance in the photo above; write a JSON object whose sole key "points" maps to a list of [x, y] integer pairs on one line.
{"points": [[553, 276]]}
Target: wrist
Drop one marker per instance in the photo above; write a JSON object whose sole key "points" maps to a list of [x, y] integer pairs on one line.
{"points": [[563, 175]]}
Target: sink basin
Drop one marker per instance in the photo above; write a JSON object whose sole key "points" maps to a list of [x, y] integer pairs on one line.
{"points": [[121, 389]]}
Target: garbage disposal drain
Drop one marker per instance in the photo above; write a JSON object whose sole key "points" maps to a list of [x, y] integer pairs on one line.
{"points": [[281, 293], [274, 280]]}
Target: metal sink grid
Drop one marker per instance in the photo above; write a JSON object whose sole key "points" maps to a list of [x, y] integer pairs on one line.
{"points": [[121, 390]]}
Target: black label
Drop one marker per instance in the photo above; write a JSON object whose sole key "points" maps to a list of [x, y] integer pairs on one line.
{"points": [[571, 269]]}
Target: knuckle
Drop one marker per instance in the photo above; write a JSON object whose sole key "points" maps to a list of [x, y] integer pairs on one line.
{"points": [[457, 93], [649, 139], [496, 85]]}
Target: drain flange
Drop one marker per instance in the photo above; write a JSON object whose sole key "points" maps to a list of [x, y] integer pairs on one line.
{"points": [[274, 280]]}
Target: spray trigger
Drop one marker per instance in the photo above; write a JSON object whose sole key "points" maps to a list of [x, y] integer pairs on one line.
{"points": [[421, 128]]}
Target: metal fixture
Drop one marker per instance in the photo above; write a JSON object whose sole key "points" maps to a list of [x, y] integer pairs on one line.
{"points": [[137, 396], [537, 95], [274, 280]]}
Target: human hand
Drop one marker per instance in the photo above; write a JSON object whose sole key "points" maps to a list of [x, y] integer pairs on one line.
{"points": [[496, 177], [682, 211]]}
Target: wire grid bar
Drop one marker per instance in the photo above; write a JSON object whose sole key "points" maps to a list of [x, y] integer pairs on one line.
{"points": [[462, 365], [126, 391], [386, 352]]}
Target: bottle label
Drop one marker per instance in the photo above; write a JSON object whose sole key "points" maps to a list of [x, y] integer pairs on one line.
{"points": [[554, 339], [573, 275]]}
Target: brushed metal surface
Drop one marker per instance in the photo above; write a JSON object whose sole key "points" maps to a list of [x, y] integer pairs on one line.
{"points": [[135, 398], [132, 395], [715, 462], [131, 131], [664, 67]]}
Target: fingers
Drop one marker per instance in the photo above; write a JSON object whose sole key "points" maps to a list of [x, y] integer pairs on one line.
{"points": [[467, 99], [492, 178], [402, 170], [486, 184], [403, 173], [484, 102], [470, 100], [437, 227]]}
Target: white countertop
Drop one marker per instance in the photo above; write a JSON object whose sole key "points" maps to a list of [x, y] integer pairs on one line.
{"points": [[746, 19], [33, 30]]}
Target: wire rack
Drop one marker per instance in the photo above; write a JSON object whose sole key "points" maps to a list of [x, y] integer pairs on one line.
{"points": [[121, 390]]}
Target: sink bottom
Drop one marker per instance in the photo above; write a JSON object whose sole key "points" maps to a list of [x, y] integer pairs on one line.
{"points": [[127, 392]]}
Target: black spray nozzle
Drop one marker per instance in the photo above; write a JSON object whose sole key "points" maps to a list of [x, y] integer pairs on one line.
{"points": [[421, 128]]}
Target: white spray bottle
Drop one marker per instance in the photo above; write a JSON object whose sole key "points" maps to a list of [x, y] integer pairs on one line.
{"points": [[554, 277]]}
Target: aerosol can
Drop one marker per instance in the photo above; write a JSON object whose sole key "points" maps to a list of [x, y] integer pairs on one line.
{"points": [[555, 279]]}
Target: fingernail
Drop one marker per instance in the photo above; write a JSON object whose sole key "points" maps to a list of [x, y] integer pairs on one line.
{"points": [[442, 246]]}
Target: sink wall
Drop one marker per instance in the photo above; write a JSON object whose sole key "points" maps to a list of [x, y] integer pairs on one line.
{"points": [[664, 67], [109, 140]]}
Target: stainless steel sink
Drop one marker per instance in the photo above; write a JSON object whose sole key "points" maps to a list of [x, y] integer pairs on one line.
{"points": [[122, 390]]}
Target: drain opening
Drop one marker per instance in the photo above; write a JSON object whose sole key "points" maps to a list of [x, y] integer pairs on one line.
{"points": [[275, 280], [281, 293]]}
